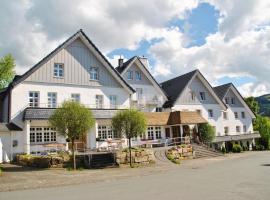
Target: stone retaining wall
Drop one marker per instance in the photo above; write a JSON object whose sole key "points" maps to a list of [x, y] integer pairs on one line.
{"points": [[138, 156]]}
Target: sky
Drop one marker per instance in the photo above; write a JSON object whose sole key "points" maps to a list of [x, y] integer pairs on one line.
{"points": [[228, 41]]}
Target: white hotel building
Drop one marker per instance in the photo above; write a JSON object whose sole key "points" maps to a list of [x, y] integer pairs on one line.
{"points": [[78, 71]]}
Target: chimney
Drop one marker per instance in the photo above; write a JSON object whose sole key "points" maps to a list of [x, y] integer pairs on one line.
{"points": [[120, 62], [144, 61]]}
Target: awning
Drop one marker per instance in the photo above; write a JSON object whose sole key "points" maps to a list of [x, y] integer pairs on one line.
{"points": [[227, 138], [157, 118], [173, 118], [185, 117]]}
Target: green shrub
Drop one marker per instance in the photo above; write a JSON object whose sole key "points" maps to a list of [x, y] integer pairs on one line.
{"points": [[237, 148], [176, 161], [1, 170], [207, 132]]}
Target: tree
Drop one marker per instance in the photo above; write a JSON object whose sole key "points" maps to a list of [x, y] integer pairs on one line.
{"points": [[207, 132], [72, 120], [129, 123], [262, 125], [7, 72], [253, 104]]}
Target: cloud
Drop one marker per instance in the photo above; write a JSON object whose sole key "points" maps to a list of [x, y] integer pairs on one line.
{"points": [[239, 48], [33, 28]]}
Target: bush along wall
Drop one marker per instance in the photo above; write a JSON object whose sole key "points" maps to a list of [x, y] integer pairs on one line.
{"points": [[49, 161], [180, 152]]}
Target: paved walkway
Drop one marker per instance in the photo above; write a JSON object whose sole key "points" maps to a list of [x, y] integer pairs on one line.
{"points": [[239, 176]]}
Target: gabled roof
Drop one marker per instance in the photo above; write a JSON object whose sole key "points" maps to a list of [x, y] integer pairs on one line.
{"points": [[128, 63], [222, 90], [78, 34], [122, 68], [175, 87]]}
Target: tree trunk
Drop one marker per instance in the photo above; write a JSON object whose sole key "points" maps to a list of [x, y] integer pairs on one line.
{"points": [[129, 146], [73, 154]]}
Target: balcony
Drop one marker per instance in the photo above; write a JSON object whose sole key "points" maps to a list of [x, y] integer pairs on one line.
{"points": [[147, 99]]}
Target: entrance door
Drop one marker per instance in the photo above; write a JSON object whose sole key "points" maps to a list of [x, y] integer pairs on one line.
{"points": [[176, 131], [167, 132]]}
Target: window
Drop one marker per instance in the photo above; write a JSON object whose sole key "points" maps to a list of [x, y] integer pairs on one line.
{"points": [[202, 96], [158, 132], [113, 101], [158, 109], [210, 113], [243, 114], [232, 100], [42, 134], [76, 98], [34, 99], [99, 101], [227, 100], [226, 130], [139, 93], [106, 132], [52, 100], [130, 75], [225, 115], [46, 134], [236, 115], [150, 133], [58, 70], [138, 75], [237, 129], [193, 96], [94, 73], [102, 132], [244, 128]]}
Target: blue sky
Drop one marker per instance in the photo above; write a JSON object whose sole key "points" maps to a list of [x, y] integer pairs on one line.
{"points": [[227, 40]]}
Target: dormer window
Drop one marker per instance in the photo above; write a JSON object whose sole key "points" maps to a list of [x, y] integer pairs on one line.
{"points": [[94, 73], [193, 96], [58, 70], [130, 75], [232, 100], [202, 96], [138, 75]]}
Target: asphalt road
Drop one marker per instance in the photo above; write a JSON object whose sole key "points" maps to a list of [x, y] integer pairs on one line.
{"points": [[246, 177]]}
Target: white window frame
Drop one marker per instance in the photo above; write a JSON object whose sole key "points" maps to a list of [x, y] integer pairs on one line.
{"points": [[76, 97], [99, 101], [238, 129], [232, 100], [202, 96], [158, 132], [226, 100], [94, 74], [210, 113], [113, 101], [52, 99], [150, 133], [243, 115], [138, 75], [193, 96], [34, 98], [236, 115], [42, 135], [226, 130], [244, 129], [130, 75], [58, 70]]}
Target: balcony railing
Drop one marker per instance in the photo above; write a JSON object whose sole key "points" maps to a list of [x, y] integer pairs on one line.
{"points": [[91, 106]]}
